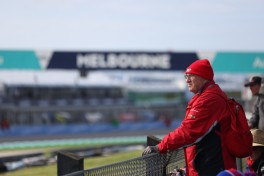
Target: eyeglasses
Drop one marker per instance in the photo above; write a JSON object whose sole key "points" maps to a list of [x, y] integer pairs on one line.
{"points": [[188, 76], [252, 85]]}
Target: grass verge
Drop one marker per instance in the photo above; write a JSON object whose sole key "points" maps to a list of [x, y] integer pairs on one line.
{"points": [[90, 162]]}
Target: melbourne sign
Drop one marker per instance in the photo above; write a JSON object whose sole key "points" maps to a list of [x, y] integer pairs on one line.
{"points": [[121, 60]]}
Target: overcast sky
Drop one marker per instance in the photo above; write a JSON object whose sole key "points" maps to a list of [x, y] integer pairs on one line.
{"points": [[152, 25]]}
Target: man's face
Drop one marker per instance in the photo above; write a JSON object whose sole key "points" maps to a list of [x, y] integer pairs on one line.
{"points": [[254, 89], [194, 82]]}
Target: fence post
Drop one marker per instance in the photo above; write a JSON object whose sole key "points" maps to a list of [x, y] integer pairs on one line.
{"points": [[68, 162], [151, 141]]}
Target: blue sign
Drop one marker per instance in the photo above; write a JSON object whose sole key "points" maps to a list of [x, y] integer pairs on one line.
{"points": [[121, 60]]}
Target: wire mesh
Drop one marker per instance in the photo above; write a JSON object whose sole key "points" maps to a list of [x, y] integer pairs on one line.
{"points": [[148, 165], [175, 160]]}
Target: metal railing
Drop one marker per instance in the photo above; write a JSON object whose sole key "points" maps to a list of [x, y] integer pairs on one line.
{"points": [[149, 165]]}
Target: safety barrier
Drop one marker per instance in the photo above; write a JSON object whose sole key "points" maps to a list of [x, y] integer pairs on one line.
{"points": [[149, 165]]}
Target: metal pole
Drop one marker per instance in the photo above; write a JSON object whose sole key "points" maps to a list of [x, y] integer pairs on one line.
{"points": [[68, 162]]}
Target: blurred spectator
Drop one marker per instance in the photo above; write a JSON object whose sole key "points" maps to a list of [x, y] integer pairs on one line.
{"points": [[5, 125], [257, 119], [45, 118], [127, 117], [167, 121], [115, 122], [256, 160], [63, 117], [148, 115], [94, 117]]}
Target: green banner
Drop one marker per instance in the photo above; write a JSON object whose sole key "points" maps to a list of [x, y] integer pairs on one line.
{"points": [[239, 62], [19, 60]]}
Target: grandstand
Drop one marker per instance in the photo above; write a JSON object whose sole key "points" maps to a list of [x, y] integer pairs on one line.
{"points": [[101, 87]]}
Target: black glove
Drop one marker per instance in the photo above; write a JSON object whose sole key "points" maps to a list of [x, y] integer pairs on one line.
{"points": [[150, 149]]}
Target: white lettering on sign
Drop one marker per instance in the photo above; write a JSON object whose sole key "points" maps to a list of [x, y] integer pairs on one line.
{"points": [[258, 63], [90, 60], [134, 61]]}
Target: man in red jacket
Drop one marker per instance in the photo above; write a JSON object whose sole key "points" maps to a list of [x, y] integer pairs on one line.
{"points": [[206, 116]]}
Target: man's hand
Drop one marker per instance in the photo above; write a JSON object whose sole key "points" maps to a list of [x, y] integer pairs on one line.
{"points": [[150, 149]]}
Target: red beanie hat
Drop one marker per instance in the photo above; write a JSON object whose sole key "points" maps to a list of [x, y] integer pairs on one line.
{"points": [[201, 68]]}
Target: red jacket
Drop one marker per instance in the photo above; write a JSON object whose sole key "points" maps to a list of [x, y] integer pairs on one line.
{"points": [[205, 154]]}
